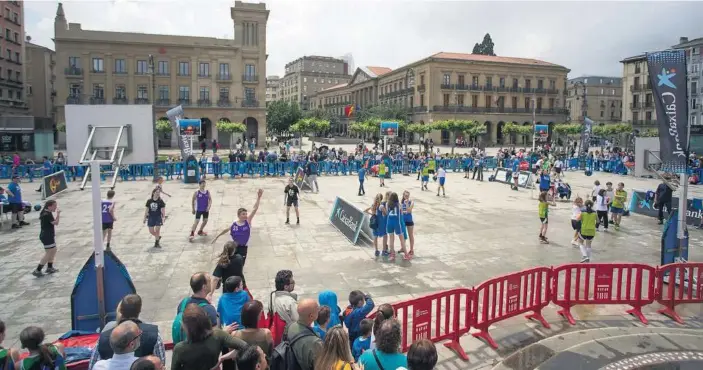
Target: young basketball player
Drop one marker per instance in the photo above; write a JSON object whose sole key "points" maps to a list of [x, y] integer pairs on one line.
{"points": [[47, 236], [291, 199], [159, 185], [395, 225], [154, 215], [407, 207], [589, 219], [425, 178], [108, 213], [544, 216], [240, 230], [441, 177], [201, 203]]}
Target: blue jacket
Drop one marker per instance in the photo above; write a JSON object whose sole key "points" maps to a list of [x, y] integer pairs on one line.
{"points": [[329, 298], [353, 317], [230, 307]]}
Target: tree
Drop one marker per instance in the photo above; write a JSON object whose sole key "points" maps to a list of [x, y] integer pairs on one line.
{"points": [[231, 128], [307, 126], [61, 127], [512, 128], [650, 132], [163, 127], [421, 129], [485, 47], [281, 115], [458, 127], [567, 129]]}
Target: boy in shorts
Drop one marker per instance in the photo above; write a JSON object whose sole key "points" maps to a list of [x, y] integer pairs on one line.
{"points": [[617, 207], [107, 208]]}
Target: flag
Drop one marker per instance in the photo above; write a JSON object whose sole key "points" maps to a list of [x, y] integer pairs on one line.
{"points": [[349, 110], [667, 75]]}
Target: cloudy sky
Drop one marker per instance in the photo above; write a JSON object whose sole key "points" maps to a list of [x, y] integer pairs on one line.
{"points": [[587, 37]]}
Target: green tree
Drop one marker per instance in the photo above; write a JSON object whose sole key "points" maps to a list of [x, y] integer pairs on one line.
{"points": [[458, 128], [485, 47], [61, 126], [309, 126], [231, 128], [515, 130], [281, 115], [163, 127], [421, 129], [567, 130]]}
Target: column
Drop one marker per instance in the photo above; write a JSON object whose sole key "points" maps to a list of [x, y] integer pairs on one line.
{"points": [[109, 70], [87, 91]]}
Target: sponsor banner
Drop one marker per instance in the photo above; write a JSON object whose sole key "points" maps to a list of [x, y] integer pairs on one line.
{"points": [[641, 205], [542, 132], [192, 168], [300, 179], [16, 142], [347, 219], [586, 135], [389, 129], [53, 184], [667, 75], [189, 127], [505, 176]]}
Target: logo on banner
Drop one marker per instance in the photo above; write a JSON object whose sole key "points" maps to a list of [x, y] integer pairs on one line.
{"points": [[346, 220], [665, 78]]}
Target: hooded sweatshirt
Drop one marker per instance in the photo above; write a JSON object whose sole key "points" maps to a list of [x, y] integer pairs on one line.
{"points": [[329, 298], [230, 307]]}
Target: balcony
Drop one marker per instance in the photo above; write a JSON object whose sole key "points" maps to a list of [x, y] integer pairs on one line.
{"points": [[100, 71], [204, 103], [13, 82], [73, 72], [224, 77], [463, 87], [250, 103], [540, 90], [638, 70], [475, 87], [203, 75], [163, 102], [635, 105], [120, 101], [13, 20], [502, 89], [489, 87], [73, 99], [183, 102], [447, 87], [528, 90], [224, 103], [420, 109], [421, 87], [13, 41], [636, 87], [94, 100], [514, 89], [122, 72], [468, 109], [141, 100], [648, 104], [250, 78], [553, 91]]}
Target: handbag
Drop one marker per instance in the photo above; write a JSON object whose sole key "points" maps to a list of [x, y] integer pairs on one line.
{"points": [[373, 222]]}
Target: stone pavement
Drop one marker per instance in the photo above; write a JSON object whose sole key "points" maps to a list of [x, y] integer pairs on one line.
{"points": [[480, 230]]}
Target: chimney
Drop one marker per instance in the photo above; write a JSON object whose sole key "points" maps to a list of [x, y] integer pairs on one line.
{"points": [[683, 39]]}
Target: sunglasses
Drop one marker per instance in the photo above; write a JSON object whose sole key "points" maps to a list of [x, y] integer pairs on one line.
{"points": [[137, 337]]}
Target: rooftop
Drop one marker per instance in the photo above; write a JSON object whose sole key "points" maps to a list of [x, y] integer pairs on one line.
{"points": [[376, 71], [492, 59], [689, 43]]}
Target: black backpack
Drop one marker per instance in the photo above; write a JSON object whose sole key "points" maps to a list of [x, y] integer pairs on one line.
{"points": [[283, 357]]}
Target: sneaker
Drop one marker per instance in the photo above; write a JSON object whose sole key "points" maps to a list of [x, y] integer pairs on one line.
{"points": [[391, 257], [377, 253], [51, 270], [191, 237], [385, 253], [202, 233], [297, 222], [22, 223], [37, 273], [544, 241], [287, 221], [585, 260]]}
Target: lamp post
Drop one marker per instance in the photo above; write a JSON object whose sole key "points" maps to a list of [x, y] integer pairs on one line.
{"points": [[410, 91], [585, 134], [152, 79]]}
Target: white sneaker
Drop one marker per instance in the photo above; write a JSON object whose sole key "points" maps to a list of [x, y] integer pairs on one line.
{"points": [[585, 260], [575, 243]]}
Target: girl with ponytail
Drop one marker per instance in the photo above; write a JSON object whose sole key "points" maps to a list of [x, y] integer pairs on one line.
{"points": [[377, 222], [47, 236], [229, 263], [41, 356], [589, 219]]}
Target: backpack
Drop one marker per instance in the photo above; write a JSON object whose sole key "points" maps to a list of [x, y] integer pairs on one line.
{"points": [[177, 333], [275, 323], [283, 357]]}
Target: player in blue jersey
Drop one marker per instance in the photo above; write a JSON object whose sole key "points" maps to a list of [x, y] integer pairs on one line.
{"points": [[107, 208], [407, 206], [200, 203], [394, 224]]}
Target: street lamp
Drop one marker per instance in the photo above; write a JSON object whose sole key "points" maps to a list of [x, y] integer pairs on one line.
{"points": [[152, 73], [585, 134], [410, 91]]}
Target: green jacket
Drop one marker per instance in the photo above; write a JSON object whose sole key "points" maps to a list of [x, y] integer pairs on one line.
{"points": [[306, 348]]}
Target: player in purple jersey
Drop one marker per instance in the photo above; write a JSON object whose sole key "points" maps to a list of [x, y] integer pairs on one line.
{"points": [[107, 208], [201, 203], [240, 231]]}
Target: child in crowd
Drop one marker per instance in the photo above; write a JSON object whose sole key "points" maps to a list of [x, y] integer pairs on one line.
{"points": [[382, 172], [322, 322], [7, 355], [329, 298], [360, 305], [610, 194], [425, 178], [363, 342], [576, 219], [41, 356], [108, 216], [231, 302], [596, 190], [422, 355], [543, 210], [601, 206], [589, 218], [617, 207]]}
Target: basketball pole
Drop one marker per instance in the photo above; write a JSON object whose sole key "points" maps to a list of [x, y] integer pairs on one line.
{"points": [[98, 239]]}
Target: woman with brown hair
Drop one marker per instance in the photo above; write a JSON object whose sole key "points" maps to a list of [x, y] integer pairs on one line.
{"points": [[252, 312], [228, 264], [383, 313], [201, 351], [387, 353], [335, 353]]}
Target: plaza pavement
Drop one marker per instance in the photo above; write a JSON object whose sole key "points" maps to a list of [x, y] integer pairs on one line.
{"points": [[480, 230]]}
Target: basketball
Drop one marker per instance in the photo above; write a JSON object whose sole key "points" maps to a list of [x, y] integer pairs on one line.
{"points": [[588, 172], [37, 207]]}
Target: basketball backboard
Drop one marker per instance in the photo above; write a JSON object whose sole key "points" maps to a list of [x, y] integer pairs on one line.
{"points": [[137, 139]]}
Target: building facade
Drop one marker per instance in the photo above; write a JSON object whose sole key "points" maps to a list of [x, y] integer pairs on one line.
{"points": [[637, 99], [308, 75], [694, 63], [603, 97], [272, 83], [40, 80], [489, 89], [12, 59], [213, 79]]}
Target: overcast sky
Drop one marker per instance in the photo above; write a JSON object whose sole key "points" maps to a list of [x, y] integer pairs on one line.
{"points": [[587, 37]]}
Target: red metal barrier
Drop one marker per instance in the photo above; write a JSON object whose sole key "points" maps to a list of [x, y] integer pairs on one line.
{"points": [[688, 277], [573, 285], [510, 295], [436, 317]]}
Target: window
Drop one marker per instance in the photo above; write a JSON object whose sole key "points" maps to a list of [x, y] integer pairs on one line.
{"points": [[602, 91], [204, 70], [515, 83], [162, 68], [99, 91], [142, 67], [314, 80], [10, 94], [695, 68], [422, 97], [9, 74], [422, 80], [488, 101], [15, 17], [305, 88], [18, 77], [224, 93], [74, 90], [224, 69], [527, 103], [648, 116], [204, 93], [183, 69], [8, 33], [602, 114], [474, 101], [98, 65], [501, 82], [17, 37], [445, 101], [9, 54], [460, 100], [474, 80], [551, 103], [460, 80], [142, 92], [120, 92], [184, 92], [489, 82], [250, 70], [528, 84], [74, 62], [612, 114], [694, 87], [446, 79], [514, 102], [249, 94], [164, 92], [120, 66], [17, 57], [612, 92], [7, 13], [552, 85]]}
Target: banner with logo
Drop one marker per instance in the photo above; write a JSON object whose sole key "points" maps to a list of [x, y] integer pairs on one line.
{"points": [[389, 129], [300, 179], [347, 219], [505, 176], [16, 142], [586, 136], [643, 205], [541, 132], [53, 184], [189, 127], [667, 74]]}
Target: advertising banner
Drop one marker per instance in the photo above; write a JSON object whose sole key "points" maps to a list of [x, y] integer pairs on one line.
{"points": [[505, 176], [16, 142], [541, 132], [389, 129], [53, 184], [641, 204], [586, 135], [347, 219], [667, 75], [300, 178], [189, 127], [191, 174]]}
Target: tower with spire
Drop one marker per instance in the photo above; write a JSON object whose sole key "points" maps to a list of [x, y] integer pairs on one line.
{"points": [[60, 23]]}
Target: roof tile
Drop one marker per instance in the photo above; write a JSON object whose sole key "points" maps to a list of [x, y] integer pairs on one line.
{"points": [[495, 59], [379, 71]]}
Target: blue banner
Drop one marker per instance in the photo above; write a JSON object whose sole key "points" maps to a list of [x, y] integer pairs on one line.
{"points": [[667, 74], [189, 127], [542, 132], [389, 128]]}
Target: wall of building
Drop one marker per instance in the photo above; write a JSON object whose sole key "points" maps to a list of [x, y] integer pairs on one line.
{"points": [[12, 64], [40, 80]]}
